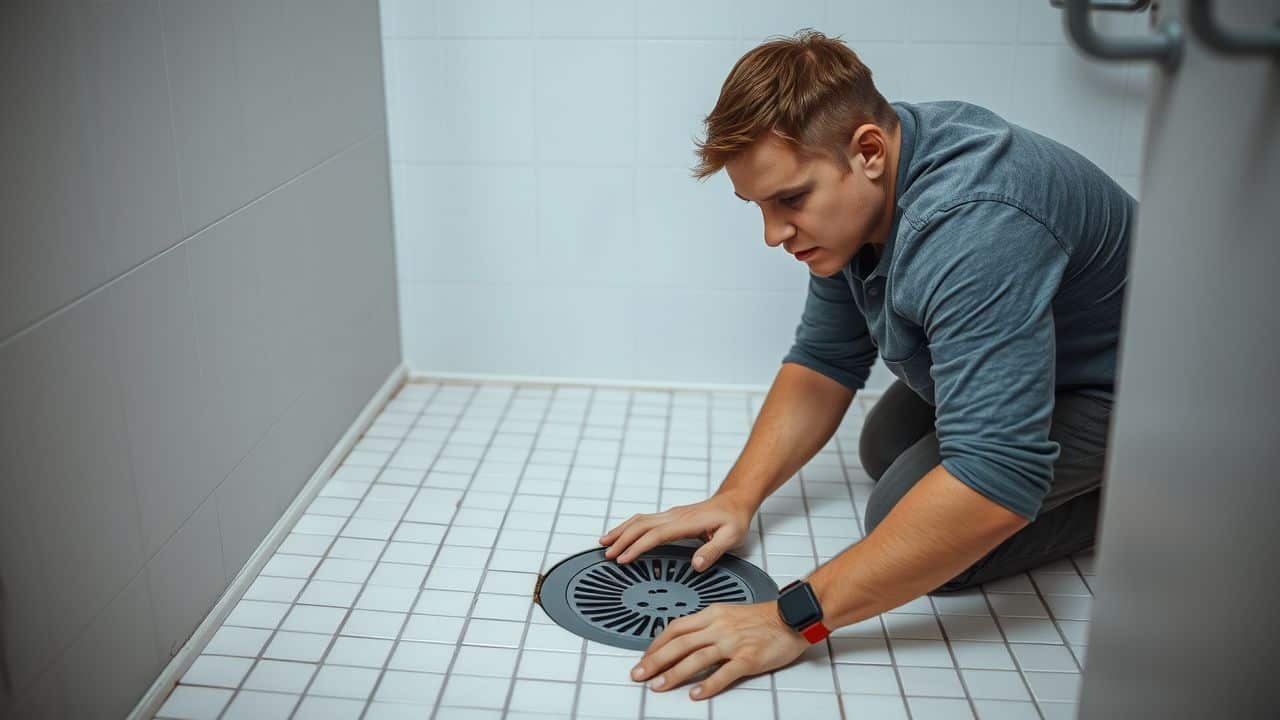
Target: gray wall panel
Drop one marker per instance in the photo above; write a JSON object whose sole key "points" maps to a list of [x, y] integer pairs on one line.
{"points": [[86, 124], [197, 295]]}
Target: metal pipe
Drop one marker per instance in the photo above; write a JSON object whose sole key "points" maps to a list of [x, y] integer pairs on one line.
{"points": [[1165, 47]]}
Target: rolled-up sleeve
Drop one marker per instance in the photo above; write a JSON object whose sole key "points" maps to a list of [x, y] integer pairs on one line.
{"points": [[987, 310], [832, 337]]}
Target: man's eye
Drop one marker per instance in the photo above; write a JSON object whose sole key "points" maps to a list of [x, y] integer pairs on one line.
{"points": [[793, 199]]}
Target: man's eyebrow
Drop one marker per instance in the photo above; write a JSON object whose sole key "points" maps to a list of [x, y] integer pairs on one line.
{"points": [[780, 193]]}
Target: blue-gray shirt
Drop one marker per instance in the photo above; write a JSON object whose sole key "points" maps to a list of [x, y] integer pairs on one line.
{"points": [[1001, 284]]}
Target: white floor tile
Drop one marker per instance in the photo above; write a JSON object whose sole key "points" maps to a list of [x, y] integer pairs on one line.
{"points": [[433, 628], [421, 656], [328, 592], [444, 602], [217, 670], [241, 641], [995, 685], [279, 676], [931, 681], [420, 556], [194, 703], [328, 708], [314, 619], [1006, 710], [477, 692], [547, 665], [364, 652], [275, 589], [343, 681], [542, 696], [888, 707], [489, 661], [412, 687], [300, 646], [938, 708], [254, 705]]}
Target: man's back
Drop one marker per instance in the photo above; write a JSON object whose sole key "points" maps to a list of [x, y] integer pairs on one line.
{"points": [[1000, 284], [965, 153]]}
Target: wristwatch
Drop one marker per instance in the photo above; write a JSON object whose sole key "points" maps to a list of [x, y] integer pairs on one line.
{"points": [[799, 608]]}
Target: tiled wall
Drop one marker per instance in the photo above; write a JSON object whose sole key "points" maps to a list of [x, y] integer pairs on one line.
{"points": [[196, 299], [546, 223]]}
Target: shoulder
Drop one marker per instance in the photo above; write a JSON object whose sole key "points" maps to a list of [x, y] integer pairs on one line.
{"points": [[974, 244]]}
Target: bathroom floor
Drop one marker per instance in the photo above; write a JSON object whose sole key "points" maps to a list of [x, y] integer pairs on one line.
{"points": [[405, 591]]}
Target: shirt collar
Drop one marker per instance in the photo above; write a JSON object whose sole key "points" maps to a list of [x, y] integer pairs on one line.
{"points": [[907, 127]]}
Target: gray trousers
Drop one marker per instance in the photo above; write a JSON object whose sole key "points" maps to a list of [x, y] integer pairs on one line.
{"points": [[899, 446]]}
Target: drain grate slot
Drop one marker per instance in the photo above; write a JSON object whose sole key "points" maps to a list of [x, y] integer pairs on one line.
{"points": [[628, 605]]}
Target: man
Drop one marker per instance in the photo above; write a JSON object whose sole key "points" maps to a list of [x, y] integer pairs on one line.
{"points": [[986, 265]]}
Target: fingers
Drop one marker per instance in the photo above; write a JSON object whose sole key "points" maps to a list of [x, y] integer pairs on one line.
{"points": [[633, 530], [656, 536], [721, 679], [609, 537], [671, 653], [720, 542], [691, 664], [678, 628]]}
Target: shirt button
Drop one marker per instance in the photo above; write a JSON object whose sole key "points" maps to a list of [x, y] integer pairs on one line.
{"points": [[873, 291]]}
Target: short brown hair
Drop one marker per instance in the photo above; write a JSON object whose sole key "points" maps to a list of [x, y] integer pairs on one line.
{"points": [[810, 90]]}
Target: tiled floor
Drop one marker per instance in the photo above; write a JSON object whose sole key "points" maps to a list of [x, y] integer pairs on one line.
{"points": [[405, 590]]}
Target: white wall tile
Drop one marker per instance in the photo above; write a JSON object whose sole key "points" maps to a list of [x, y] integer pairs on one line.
{"points": [[1044, 75], [671, 112], [462, 101], [407, 18], [761, 19], [584, 17], [484, 18], [866, 20], [458, 223], [673, 18], [977, 21], [584, 95]]}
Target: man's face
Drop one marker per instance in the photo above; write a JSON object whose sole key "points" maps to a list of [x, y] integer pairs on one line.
{"points": [[810, 203]]}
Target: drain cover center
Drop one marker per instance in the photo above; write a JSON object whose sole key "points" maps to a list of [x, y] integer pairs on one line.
{"points": [[628, 605], [660, 599]]}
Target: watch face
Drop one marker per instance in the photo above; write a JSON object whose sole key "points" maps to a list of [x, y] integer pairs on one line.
{"points": [[798, 607]]}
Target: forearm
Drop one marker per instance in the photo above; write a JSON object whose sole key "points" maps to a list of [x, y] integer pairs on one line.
{"points": [[937, 530], [800, 414]]}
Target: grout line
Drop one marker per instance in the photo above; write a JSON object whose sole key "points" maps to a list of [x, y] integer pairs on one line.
{"points": [[395, 643], [1053, 619], [753, 414], [1005, 639], [813, 544], [524, 632], [608, 513], [662, 468], [398, 640], [320, 561], [67, 306], [271, 634]]}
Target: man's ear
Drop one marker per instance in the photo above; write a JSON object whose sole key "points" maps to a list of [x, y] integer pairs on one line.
{"points": [[868, 150]]}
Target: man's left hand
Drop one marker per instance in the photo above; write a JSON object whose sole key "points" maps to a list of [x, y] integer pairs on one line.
{"points": [[748, 639]]}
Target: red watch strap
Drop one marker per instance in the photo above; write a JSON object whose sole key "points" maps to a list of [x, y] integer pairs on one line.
{"points": [[816, 632]]}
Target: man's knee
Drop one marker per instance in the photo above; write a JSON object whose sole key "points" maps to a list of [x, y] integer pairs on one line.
{"points": [[874, 452]]}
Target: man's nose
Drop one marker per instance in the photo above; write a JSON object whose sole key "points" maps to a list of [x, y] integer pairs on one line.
{"points": [[777, 232]]}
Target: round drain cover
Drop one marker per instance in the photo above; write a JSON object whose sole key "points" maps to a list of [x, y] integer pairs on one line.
{"points": [[628, 605]]}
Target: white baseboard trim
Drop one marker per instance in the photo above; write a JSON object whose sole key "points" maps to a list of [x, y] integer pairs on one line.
{"points": [[446, 377], [155, 696]]}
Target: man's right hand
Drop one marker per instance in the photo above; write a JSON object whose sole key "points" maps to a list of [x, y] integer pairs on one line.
{"points": [[720, 520]]}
